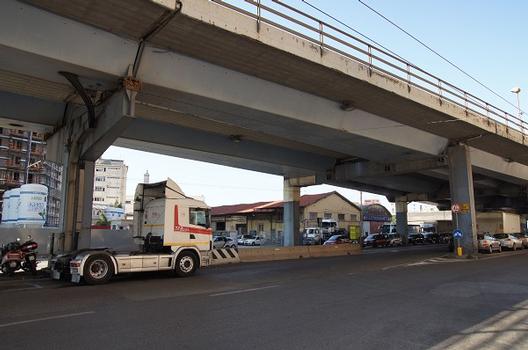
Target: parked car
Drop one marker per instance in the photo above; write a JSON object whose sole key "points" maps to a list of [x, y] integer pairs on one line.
{"points": [[243, 238], [253, 241], [337, 239], [395, 240], [415, 238], [487, 243], [381, 240], [523, 237], [224, 242], [313, 235], [368, 241], [509, 241], [431, 237]]}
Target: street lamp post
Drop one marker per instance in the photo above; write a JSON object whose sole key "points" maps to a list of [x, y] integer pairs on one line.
{"points": [[516, 90]]}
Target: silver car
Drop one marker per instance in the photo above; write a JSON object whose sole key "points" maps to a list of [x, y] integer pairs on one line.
{"points": [[523, 237], [488, 244], [508, 241]]}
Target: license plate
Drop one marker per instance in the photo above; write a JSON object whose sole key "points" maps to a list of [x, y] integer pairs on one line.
{"points": [[55, 275], [76, 278]]}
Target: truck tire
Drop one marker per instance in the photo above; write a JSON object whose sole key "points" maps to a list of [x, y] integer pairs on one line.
{"points": [[98, 269], [186, 264]]}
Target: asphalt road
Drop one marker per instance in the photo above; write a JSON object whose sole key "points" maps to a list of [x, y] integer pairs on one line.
{"points": [[395, 299]]}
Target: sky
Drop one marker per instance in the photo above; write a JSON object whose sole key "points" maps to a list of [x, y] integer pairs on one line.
{"points": [[486, 38]]}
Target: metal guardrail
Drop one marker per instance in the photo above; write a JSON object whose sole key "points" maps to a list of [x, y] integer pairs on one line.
{"points": [[328, 36]]}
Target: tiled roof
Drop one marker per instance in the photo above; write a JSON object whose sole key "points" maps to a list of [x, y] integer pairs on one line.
{"points": [[305, 201], [235, 208]]}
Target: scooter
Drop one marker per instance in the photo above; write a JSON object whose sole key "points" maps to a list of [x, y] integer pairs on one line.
{"points": [[16, 256]]}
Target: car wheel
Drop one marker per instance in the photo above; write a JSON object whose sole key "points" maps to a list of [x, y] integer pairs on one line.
{"points": [[500, 249], [514, 247]]}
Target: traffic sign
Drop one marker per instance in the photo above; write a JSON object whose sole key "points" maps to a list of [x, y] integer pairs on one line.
{"points": [[457, 233], [455, 208]]}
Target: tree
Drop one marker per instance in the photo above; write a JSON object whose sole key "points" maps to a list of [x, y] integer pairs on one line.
{"points": [[103, 220], [118, 205]]}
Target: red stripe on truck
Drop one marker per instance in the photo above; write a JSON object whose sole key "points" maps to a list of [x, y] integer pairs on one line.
{"points": [[178, 227]]}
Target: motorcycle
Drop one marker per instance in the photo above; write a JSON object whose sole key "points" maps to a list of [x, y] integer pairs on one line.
{"points": [[16, 256]]}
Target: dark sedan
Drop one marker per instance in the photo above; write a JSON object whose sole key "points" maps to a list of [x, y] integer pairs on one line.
{"points": [[415, 238]]}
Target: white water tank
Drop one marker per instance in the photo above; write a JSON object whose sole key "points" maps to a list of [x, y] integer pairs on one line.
{"points": [[14, 199], [5, 207], [114, 214], [33, 207]]}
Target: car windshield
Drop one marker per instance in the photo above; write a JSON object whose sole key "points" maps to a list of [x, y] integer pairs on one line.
{"points": [[500, 235]]}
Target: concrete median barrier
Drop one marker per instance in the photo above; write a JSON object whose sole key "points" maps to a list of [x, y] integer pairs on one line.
{"points": [[301, 252]]}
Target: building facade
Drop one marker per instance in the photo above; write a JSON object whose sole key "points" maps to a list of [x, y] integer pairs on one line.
{"points": [[110, 183], [266, 218], [22, 160]]}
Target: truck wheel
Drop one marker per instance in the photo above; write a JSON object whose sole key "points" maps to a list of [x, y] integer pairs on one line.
{"points": [[98, 269], [186, 264]]}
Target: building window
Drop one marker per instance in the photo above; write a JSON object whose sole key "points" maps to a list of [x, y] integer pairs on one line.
{"points": [[341, 217], [353, 217], [99, 178], [260, 227], [99, 188], [313, 215], [327, 215]]}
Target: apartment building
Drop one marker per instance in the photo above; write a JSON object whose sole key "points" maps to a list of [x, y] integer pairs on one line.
{"points": [[22, 160], [110, 182]]}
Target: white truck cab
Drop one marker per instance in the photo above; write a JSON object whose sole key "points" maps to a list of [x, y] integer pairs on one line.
{"points": [[172, 230]]}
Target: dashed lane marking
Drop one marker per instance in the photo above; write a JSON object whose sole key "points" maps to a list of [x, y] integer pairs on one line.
{"points": [[243, 291], [46, 319]]}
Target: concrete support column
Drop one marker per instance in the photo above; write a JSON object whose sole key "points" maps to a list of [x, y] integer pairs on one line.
{"points": [[402, 227], [524, 218], [70, 200], [291, 233], [86, 184], [463, 194]]}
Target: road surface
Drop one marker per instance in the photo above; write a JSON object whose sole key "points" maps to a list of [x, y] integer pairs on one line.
{"points": [[397, 299]]}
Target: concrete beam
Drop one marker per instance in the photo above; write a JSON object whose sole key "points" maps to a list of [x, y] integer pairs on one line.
{"points": [[194, 139], [360, 169], [29, 112], [112, 122]]}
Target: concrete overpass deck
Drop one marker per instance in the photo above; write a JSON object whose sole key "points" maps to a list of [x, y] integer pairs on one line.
{"points": [[223, 85]]}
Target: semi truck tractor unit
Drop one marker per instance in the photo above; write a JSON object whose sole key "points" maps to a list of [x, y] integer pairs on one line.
{"points": [[172, 232]]}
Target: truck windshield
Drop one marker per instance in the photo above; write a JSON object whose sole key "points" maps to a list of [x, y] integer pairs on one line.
{"points": [[199, 217]]}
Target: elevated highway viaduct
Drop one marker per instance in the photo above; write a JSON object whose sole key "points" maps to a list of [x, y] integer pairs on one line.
{"points": [[210, 81]]}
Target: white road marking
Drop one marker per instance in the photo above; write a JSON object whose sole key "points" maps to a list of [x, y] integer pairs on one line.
{"points": [[46, 319], [243, 291], [33, 286], [431, 261]]}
